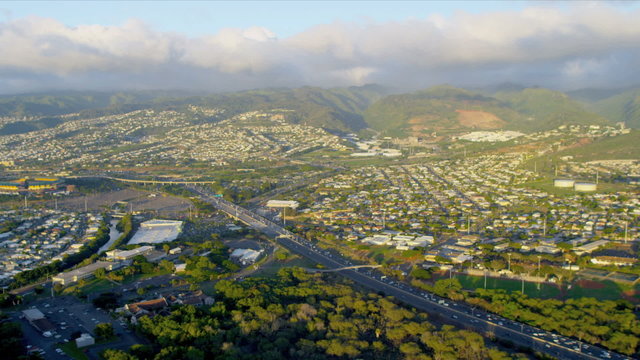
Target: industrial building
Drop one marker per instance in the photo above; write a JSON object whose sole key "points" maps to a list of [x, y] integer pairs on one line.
{"points": [[157, 231]]}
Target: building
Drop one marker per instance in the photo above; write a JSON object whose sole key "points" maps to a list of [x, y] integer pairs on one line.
{"points": [[157, 231], [37, 319], [590, 247], [129, 254], [85, 340], [283, 204], [245, 256], [84, 272]]}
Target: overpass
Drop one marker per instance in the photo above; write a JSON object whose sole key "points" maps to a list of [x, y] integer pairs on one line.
{"points": [[342, 268], [144, 182]]}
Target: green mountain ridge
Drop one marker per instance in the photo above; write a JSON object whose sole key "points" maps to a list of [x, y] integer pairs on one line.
{"points": [[440, 108]]}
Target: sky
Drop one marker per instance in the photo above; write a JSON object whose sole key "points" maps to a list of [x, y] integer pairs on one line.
{"points": [[228, 46]]}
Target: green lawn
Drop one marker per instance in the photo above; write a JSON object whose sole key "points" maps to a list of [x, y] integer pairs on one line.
{"points": [[610, 291], [72, 350]]}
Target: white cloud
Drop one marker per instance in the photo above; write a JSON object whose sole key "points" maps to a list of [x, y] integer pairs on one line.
{"points": [[535, 44]]}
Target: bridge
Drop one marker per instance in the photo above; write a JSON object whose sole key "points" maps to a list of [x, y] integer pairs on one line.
{"points": [[144, 182], [342, 268]]}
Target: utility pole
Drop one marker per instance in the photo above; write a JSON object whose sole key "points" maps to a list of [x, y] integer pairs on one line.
{"points": [[468, 225], [56, 202], [522, 277], [25, 202], [544, 227], [535, 167], [626, 225], [485, 279], [597, 176], [85, 204], [539, 270], [509, 255], [384, 216]]}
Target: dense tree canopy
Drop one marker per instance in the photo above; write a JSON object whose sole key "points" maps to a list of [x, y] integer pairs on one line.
{"points": [[302, 316]]}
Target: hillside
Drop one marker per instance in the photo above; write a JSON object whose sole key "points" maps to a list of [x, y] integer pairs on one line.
{"points": [[623, 107], [547, 109], [436, 109], [48, 105], [337, 109], [611, 148], [448, 108]]}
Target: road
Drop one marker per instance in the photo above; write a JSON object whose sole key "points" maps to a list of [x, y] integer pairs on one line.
{"points": [[457, 313]]}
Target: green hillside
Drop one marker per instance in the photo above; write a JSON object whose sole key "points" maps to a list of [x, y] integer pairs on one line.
{"points": [[624, 107], [610, 148], [547, 109], [437, 108], [70, 102], [335, 109], [446, 107]]}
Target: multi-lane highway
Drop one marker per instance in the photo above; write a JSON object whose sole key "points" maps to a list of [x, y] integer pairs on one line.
{"points": [[458, 313]]}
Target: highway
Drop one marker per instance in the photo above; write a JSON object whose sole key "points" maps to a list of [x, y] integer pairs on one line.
{"points": [[453, 312]]}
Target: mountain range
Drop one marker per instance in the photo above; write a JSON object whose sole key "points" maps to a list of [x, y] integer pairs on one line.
{"points": [[441, 108]]}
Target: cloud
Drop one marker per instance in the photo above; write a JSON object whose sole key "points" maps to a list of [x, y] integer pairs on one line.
{"points": [[576, 46]]}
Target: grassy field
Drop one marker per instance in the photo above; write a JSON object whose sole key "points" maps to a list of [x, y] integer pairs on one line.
{"points": [[531, 289], [603, 290]]}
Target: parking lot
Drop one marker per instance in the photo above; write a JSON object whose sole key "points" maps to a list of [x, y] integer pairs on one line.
{"points": [[70, 315]]}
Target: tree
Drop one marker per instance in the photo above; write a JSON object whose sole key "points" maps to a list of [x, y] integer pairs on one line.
{"points": [[166, 248], [113, 354], [100, 273], [104, 331]]}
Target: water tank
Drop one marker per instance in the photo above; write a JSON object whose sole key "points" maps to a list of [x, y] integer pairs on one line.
{"points": [[563, 183], [585, 186]]}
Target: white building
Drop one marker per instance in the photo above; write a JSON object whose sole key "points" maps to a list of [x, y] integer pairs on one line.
{"points": [[85, 340], [246, 256], [157, 231]]}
